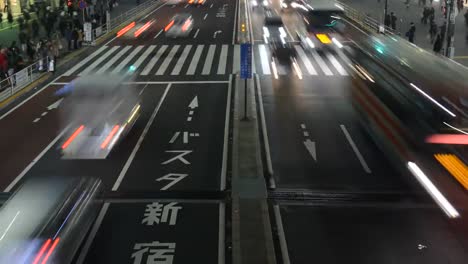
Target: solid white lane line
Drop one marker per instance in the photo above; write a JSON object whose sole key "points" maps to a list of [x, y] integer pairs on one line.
{"points": [[321, 63], [98, 61], [34, 161], [86, 60], [113, 60], [226, 135], [196, 33], [204, 18], [235, 23], [140, 141], [264, 59], [167, 60], [336, 64], [209, 60], [127, 59], [181, 60], [223, 60], [236, 59], [194, 62], [302, 56], [144, 56], [92, 234], [266, 141], [281, 235], [159, 33], [153, 60], [355, 149]]}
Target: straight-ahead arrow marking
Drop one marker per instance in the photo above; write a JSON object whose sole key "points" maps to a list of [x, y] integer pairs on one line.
{"points": [[55, 105], [194, 103], [310, 146]]}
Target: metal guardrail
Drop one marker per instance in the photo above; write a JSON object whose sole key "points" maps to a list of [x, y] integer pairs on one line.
{"points": [[22, 78], [366, 21], [26, 76]]}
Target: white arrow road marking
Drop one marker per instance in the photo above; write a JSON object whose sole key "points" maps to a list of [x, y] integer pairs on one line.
{"points": [[55, 105], [194, 103], [310, 146]]}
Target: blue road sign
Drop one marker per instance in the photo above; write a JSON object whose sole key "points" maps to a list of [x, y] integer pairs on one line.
{"points": [[246, 61], [82, 4]]}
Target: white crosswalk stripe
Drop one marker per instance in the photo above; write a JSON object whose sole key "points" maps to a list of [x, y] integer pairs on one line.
{"points": [[153, 60], [127, 59], [86, 60], [143, 56], [213, 59], [303, 57], [181, 60], [336, 64], [98, 61], [110, 62], [264, 60], [223, 60], [167, 60], [209, 60], [194, 62]]}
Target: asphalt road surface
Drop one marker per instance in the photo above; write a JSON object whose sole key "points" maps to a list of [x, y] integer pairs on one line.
{"points": [[334, 195]]}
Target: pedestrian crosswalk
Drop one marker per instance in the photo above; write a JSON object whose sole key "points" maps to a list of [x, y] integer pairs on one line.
{"points": [[203, 60]]}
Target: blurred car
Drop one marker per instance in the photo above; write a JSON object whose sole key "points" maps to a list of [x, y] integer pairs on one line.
{"points": [[196, 2], [179, 26], [100, 111], [274, 34], [287, 4], [46, 219], [174, 2]]}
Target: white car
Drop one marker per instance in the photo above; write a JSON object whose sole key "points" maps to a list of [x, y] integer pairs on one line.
{"points": [[179, 26], [101, 110]]}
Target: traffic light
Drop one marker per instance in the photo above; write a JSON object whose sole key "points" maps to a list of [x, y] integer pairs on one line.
{"points": [[69, 3]]}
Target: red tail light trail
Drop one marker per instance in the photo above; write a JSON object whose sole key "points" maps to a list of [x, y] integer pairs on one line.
{"points": [[73, 136]]}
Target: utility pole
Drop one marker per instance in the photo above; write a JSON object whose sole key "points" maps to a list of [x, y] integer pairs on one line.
{"points": [[450, 30], [385, 9]]}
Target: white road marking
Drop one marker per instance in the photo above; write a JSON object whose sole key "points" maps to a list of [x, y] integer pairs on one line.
{"points": [[98, 61], [321, 63], [193, 104], [36, 120], [194, 62], [140, 141], [223, 60], [44, 113], [306, 134], [355, 149], [235, 23], [303, 126], [310, 146], [92, 234], [336, 64], [34, 161], [226, 135], [211, 5], [181, 60], [264, 59], [154, 60], [159, 33], [204, 18], [303, 57], [167, 60], [236, 59], [144, 56], [186, 5], [113, 60], [159, 82], [86, 60], [221, 233], [127, 59], [196, 33], [209, 60], [281, 235]]}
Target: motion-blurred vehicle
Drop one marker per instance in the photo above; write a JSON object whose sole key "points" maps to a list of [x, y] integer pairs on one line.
{"points": [[174, 2], [274, 34], [46, 219], [414, 104], [323, 25], [100, 111], [196, 2], [179, 26], [287, 5]]}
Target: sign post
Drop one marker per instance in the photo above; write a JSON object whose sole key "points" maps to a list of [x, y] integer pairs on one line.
{"points": [[246, 70]]}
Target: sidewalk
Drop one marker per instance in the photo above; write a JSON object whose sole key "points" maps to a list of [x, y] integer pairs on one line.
{"points": [[375, 9], [9, 33]]}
